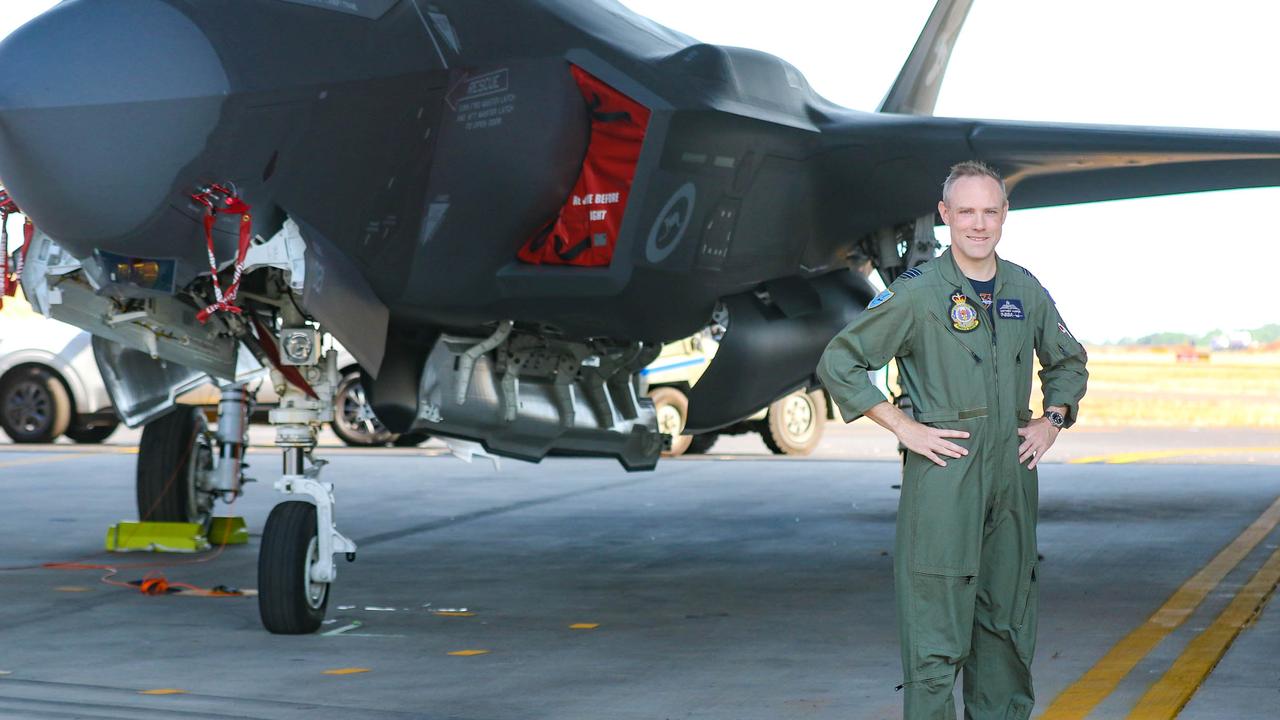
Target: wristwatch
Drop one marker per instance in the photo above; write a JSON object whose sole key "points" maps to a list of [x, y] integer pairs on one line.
{"points": [[1055, 418]]}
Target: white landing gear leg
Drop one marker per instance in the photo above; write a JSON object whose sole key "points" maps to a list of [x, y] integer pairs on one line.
{"points": [[295, 561]]}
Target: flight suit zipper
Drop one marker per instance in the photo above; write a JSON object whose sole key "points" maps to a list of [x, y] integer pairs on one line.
{"points": [[951, 334]]}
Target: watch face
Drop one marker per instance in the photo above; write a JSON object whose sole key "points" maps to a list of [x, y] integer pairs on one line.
{"points": [[1055, 418]]}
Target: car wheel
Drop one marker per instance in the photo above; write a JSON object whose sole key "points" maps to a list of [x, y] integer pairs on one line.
{"points": [[672, 409], [34, 405], [92, 434], [794, 423], [353, 420]]}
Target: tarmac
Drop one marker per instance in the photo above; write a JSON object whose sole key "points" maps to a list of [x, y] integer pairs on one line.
{"points": [[735, 585]]}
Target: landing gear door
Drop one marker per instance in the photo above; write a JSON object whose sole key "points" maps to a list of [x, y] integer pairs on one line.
{"points": [[142, 388]]}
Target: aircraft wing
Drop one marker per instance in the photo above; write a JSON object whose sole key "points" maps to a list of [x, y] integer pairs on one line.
{"points": [[887, 169], [1065, 164]]}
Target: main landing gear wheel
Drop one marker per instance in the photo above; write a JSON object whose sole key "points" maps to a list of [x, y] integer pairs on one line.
{"points": [[289, 602], [175, 461], [672, 409], [34, 406], [794, 423]]}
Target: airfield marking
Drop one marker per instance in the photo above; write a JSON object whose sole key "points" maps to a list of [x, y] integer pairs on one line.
{"points": [[163, 691], [38, 460], [1133, 457], [1167, 697], [1082, 696], [468, 653], [346, 671], [344, 628]]}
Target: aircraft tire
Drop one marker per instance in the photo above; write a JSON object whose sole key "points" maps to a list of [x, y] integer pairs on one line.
{"points": [[34, 405], [672, 409], [701, 444], [794, 423], [172, 455], [289, 603]]}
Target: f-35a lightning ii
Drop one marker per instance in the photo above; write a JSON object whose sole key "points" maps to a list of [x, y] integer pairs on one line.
{"points": [[501, 208]]}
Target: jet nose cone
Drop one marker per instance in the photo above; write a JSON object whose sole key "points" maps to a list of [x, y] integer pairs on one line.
{"points": [[101, 106]]}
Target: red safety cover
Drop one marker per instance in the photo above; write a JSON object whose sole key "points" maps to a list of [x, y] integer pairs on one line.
{"points": [[585, 230]]}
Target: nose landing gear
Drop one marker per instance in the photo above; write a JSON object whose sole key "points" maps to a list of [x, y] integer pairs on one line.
{"points": [[295, 561]]}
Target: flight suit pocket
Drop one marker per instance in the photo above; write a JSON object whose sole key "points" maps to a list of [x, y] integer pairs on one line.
{"points": [[943, 506], [941, 622], [1025, 612], [1024, 417]]}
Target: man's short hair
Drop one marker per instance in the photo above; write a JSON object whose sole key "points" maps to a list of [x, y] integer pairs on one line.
{"points": [[972, 168]]}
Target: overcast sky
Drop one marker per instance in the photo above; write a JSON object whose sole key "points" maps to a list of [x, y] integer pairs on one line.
{"points": [[1184, 263]]}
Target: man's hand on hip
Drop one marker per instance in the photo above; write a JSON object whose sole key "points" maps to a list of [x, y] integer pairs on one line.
{"points": [[931, 442], [1037, 437]]}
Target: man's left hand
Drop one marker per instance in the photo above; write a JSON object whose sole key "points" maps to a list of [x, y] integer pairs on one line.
{"points": [[1037, 438]]}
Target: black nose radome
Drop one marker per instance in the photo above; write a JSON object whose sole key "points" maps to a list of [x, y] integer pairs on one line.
{"points": [[101, 105]]}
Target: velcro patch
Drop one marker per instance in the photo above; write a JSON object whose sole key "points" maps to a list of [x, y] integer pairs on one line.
{"points": [[1010, 309], [880, 299]]}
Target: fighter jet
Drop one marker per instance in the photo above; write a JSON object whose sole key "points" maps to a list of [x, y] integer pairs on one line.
{"points": [[502, 209]]}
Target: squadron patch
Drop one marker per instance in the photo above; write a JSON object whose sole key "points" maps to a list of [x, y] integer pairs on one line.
{"points": [[880, 299], [1010, 308], [963, 315]]}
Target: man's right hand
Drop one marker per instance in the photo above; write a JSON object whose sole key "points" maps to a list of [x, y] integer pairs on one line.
{"points": [[931, 442], [919, 439]]}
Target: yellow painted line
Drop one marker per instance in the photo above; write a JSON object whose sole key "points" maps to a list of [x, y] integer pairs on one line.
{"points": [[163, 691], [6, 672], [452, 613], [468, 653], [1133, 457], [71, 588], [1167, 697], [345, 671], [1082, 696], [584, 626], [38, 460]]}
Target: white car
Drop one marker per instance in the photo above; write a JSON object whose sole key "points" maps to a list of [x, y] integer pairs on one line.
{"points": [[50, 386], [49, 381]]}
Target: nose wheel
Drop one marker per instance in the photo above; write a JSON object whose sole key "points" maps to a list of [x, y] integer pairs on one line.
{"points": [[290, 600]]}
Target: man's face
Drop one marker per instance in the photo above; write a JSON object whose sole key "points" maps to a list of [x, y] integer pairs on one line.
{"points": [[975, 214]]}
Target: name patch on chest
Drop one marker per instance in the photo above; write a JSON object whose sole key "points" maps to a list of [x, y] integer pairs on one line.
{"points": [[1010, 309]]}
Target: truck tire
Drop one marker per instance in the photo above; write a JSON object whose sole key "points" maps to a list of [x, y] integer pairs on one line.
{"points": [[794, 423], [672, 409], [701, 444]]}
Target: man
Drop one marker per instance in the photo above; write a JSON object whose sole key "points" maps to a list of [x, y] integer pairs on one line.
{"points": [[965, 555]]}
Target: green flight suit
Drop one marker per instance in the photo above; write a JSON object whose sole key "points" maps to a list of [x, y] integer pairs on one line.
{"points": [[965, 554]]}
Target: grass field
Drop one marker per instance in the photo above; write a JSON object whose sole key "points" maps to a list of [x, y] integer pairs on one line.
{"points": [[1152, 388]]}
